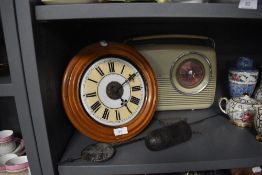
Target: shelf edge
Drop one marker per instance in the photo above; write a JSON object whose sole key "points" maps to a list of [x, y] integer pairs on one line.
{"points": [[159, 168], [144, 10]]}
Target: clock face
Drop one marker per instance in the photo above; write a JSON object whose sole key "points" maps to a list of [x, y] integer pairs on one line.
{"points": [[190, 73], [109, 92], [112, 91]]}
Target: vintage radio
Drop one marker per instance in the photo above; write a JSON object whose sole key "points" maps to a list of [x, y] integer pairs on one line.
{"points": [[185, 68]]}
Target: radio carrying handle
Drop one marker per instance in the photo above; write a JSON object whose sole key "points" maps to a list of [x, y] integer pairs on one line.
{"points": [[168, 37]]}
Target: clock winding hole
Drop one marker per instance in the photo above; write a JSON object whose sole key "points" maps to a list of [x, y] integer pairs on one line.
{"points": [[114, 90]]}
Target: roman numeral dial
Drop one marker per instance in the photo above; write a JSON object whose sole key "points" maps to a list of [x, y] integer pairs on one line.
{"points": [[106, 113], [112, 91], [134, 100], [117, 113], [111, 66], [96, 106], [93, 94], [136, 88], [99, 70]]}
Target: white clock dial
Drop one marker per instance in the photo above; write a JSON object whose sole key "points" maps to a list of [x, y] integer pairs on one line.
{"points": [[112, 91]]}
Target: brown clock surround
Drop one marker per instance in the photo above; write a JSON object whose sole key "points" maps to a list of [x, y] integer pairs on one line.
{"points": [[72, 102]]}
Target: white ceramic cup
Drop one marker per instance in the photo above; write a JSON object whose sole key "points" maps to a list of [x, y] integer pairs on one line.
{"points": [[6, 135], [18, 165], [3, 160], [7, 142]]}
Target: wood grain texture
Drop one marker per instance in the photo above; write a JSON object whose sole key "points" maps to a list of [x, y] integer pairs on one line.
{"points": [[72, 102]]}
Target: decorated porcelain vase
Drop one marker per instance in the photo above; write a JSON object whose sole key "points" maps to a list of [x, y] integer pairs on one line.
{"points": [[242, 78], [258, 122], [240, 110]]}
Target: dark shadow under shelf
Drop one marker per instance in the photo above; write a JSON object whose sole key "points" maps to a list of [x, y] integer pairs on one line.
{"points": [[5, 78], [9, 116], [6, 87], [220, 145]]}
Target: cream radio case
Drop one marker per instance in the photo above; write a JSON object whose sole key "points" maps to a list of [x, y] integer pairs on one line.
{"points": [[185, 68]]}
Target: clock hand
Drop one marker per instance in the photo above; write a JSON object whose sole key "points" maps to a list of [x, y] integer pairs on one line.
{"points": [[131, 77], [123, 102]]}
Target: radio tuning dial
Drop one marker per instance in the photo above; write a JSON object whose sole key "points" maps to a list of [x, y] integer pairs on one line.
{"points": [[190, 73]]}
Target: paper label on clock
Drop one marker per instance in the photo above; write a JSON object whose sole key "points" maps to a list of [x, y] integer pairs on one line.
{"points": [[120, 131], [247, 4]]}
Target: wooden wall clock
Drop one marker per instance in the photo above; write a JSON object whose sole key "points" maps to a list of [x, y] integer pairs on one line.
{"points": [[109, 92]]}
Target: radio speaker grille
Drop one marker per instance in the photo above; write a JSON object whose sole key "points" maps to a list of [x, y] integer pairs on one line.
{"points": [[170, 99]]}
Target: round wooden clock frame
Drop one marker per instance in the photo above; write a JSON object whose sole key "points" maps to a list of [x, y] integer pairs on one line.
{"points": [[72, 102]]}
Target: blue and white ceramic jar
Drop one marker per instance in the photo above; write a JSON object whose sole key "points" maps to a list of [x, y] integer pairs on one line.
{"points": [[243, 77]]}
